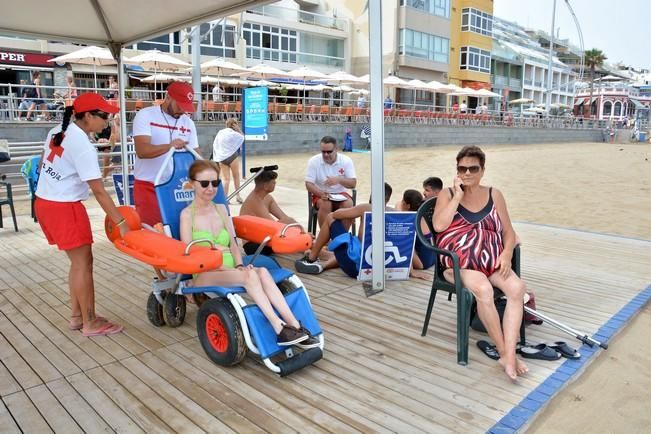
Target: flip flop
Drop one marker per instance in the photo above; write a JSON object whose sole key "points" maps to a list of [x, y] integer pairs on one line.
{"points": [[106, 330], [488, 349], [565, 350], [540, 351]]}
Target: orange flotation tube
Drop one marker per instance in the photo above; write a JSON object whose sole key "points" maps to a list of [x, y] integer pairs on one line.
{"points": [[159, 250], [255, 229]]}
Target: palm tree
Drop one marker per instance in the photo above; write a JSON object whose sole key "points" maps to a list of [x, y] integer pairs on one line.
{"points": [[594, 59]]}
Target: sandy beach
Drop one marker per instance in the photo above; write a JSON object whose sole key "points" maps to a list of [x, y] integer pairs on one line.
{"points": [[597, 187]]}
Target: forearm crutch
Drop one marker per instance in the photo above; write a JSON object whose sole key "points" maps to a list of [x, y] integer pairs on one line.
{"points": [[567, 329]]}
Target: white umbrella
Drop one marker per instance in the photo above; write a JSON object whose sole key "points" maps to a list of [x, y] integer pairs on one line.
{"points": [[393, 81], [522, 101], [221, 67], [344, 77], [488, 94], [466, 91], [263, 72], [258, 83], [157, 61], [163, 78], [90, 55], [304, 73]]}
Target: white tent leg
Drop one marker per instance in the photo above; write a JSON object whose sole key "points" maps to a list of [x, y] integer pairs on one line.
{"points": [[123, 129], [377, 140]]}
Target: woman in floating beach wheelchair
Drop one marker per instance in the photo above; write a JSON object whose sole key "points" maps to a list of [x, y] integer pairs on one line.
{"points": [[204, 219]]}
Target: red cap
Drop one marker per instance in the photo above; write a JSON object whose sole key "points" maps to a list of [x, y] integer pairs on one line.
{"points": [[182, 94], [87, 102]]}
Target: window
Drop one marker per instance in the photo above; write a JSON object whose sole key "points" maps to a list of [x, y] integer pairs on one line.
{"points": [[608, 107], [270, 43], [219, 42], [169, 43], [475, 59], [618, 109], [424, 45], [440, 8], [474, 20]]}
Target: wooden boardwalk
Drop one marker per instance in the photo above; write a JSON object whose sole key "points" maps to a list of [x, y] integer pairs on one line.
{"points": [[377, 375]]}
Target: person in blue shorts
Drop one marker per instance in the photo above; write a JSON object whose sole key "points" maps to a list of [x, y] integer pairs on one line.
{"points": [[332, 228]]}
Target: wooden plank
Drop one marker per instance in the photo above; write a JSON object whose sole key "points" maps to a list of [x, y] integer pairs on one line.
{"points": [[53, 412], [8, 384], [191, 385], [101, 404], [149, 397], [25, 414], [129, 403], [7, 422]]}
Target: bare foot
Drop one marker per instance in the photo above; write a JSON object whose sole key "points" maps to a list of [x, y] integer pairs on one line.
{"points": [[417, 274], [521, 367], [509, 368]]}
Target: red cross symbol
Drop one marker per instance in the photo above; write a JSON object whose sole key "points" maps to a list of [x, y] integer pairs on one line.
{"points": [[183, 130], [55, 151], [367, 271], [341, 171]]}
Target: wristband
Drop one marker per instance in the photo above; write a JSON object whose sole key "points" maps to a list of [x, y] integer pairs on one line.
{"points": [[239, 265]]}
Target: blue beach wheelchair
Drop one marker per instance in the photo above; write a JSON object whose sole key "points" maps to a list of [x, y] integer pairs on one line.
{"points": [[227, 325]]}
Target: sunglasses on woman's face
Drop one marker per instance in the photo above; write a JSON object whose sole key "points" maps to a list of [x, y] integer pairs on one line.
{"points": [[463, 169], [205, 183], [102, 115]]}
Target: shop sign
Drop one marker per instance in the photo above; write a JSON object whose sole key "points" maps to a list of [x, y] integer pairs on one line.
{"points": [[26, 59]]}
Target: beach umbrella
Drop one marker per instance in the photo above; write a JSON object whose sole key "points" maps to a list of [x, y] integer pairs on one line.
{"points": [[157, 61], [163, 78], [488, 94], [90, 55], [304, 73], [466, 91], [344, 77], [262, 72], [522, 101], [221, 67], [258, 83]]}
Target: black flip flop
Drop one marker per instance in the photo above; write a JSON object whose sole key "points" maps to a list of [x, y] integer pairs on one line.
{"points": [[488, 349], [540, 351], [565, 350]]}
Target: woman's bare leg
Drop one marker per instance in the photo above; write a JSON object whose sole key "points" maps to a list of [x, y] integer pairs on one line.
{"points": [[226, 176], [235, 170], [276, 297]]}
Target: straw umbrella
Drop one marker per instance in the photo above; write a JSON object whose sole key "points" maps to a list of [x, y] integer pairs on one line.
{"points": [[90, 55], [157, 61]]}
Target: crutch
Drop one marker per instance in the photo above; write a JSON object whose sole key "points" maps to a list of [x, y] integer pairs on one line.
{"points": [[569, 330], [257, 171]]}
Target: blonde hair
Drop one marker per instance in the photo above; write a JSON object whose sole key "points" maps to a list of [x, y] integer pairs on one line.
{"points": [[232, 123]]}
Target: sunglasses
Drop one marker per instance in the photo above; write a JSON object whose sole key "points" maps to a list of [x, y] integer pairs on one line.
{"points": [[205, 183], [102, 115], [463, 169], [327, 152]]}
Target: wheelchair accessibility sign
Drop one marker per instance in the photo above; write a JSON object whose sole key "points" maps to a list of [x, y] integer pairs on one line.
{"points": [[399, 239]]}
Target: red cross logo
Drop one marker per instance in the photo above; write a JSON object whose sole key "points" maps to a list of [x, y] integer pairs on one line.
{"points": [[184, 130], [55, 151], [367, 271], [341, 171]]}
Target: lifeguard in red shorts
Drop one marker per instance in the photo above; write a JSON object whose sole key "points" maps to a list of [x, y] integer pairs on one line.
{"points": [[156, 130], [69, 166]]}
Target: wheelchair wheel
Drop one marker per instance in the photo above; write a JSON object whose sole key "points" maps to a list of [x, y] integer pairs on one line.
{"points": [[174, 309], [220, 333], [155, 310]]}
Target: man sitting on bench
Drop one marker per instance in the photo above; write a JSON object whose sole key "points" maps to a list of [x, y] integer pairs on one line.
{"points": [[333, 227]]}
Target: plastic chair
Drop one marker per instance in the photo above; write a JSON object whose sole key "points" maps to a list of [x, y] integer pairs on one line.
{"points": [[8, 200], [313, 212], [29, 171], [465, 298]]}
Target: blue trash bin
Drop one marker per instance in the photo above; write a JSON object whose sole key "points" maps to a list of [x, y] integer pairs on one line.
{"points": [[642, 136]]}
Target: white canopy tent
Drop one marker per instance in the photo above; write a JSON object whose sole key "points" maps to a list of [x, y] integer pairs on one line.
{"points": [[105, 23]]}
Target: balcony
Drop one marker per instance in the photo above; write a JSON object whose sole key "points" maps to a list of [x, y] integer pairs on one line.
{"points": [[515, 83], [299, 16]]}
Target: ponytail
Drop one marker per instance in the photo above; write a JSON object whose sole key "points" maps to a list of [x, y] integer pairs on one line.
{"points": [[413, 199], [58, 137]]}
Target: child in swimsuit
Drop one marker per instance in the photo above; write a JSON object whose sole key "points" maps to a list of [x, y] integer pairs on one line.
{"points": [[204, 219]]}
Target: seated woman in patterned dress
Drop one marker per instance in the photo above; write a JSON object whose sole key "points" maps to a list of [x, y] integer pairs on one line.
{"points": [[472, 220]]}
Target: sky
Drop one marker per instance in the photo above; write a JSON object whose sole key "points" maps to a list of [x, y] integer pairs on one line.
{"points": [[618, 28]]}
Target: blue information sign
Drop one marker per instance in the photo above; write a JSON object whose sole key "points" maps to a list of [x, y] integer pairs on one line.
{"points": [[399, 239], [119, 188], [256, 113]]}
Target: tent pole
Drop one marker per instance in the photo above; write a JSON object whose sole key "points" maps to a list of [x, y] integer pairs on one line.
{"points": [[377, 141], [196, 71], [123, 128]]}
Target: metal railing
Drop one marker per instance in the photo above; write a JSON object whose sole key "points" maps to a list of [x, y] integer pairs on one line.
{"points": [[300, 16]]}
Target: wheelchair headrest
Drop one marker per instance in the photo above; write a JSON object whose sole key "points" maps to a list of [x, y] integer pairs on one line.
{"points": [[176, 193]]}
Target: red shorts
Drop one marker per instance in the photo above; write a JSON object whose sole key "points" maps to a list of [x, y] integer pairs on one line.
{"points": [[65, 224], [315, 201], [146, 203]]}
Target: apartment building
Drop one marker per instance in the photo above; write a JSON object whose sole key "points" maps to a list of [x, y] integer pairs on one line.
{"points": [[471, 42]]}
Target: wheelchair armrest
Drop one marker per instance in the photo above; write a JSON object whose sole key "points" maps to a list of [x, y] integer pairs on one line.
{"points": [[515, 260]]}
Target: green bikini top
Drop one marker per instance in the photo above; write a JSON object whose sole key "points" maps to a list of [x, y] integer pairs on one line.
{"points": [[223, 238]]}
